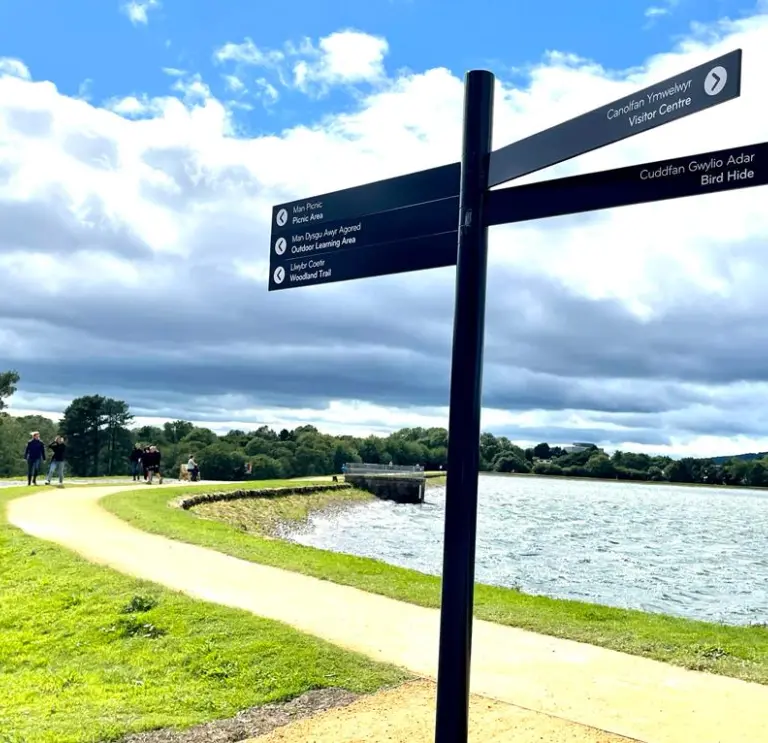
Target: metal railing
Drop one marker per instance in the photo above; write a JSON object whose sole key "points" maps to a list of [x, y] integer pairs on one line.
{"points": [[363, 468]]}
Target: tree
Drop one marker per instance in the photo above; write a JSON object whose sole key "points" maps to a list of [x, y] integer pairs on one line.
{"points": [[599, 465], [266, 468], [118, 439], [510, 462], [82, 424], [95, 428], [149, 435], [542, 451], [200, 436], [8, 382], [219, 462], [175, 431]]}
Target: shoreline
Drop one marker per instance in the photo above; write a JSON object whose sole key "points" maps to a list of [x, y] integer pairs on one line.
{"points": [[269, 517], [655, 483], [740, 651]]}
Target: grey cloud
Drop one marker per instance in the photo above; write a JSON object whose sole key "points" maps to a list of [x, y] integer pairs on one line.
{"points": [[30, 123], [92, 149], [47, 224], [744, 420], [172, 347], [216, 333], [194, 181], [599, 436], [708, 340]]}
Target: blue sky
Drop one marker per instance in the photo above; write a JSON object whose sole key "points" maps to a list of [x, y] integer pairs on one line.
{"points": [[92, 46], [143, 147]]}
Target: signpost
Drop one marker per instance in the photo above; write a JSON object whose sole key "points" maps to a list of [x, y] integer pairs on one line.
{"points": [[386, 211], [406, 239], [440, 217], [702, 87], [708, 172]]}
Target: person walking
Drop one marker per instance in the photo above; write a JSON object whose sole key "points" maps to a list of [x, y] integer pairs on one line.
{"points": [[192, 469], [35, 456], [153, 466], [135, 460], [146, 458], [58, 449]]}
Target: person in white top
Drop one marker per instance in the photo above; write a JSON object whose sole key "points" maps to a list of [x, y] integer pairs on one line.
{"points": [[193, 469]]}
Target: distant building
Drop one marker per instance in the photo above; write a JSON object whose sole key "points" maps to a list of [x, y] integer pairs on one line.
{"points": [[577, 446]]}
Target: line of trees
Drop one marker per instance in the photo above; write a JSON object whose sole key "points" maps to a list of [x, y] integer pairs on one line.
{"points": [[100, 436], [592, 461]]}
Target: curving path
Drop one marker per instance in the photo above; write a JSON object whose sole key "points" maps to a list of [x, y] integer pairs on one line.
{"points": [[634, 697]]}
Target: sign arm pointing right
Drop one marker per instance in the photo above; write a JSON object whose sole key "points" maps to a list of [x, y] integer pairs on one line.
{"points": [[689, 92]]}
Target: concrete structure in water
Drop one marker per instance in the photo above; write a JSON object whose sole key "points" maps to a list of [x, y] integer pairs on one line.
{"points": [[388, 482]]}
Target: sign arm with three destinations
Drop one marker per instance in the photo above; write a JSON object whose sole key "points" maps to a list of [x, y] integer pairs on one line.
{"points": [[411, 223]]}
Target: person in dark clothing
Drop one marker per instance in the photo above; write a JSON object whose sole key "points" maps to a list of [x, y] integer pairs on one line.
{"points": [[146, 457], [58, 454], [35, 456], [153, 466], [135, 460]]}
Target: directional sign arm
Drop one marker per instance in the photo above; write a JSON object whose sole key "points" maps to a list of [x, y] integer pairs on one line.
{"points": [[674, 98], [380, 196], [433, 251], [709, 172]]}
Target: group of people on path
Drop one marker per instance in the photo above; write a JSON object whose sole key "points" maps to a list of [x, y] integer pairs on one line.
{"points": [[35, 456], [145, 464], [145, 461]]}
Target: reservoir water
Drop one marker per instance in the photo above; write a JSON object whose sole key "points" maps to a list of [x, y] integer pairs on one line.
{"points": [[688, 551]]}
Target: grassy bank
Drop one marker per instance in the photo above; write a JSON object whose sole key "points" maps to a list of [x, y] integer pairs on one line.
{"points": [[263, 516], [87, 654], [741, 652]]}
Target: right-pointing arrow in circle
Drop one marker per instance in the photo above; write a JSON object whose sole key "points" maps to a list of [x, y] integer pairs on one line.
{"points": [[715, 80]]}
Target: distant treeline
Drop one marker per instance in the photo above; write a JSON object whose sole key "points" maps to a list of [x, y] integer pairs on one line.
{"points": [[591, 461], [100, 437]]}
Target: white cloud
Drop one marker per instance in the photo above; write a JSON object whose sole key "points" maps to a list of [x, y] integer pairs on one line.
{"points": [[14, 68], [234, 84], [248, 53], [268, 92], [192, 88], [347, 57], [343, 58], [84, 89], [664, 8], [138, 10], [645, 324]]}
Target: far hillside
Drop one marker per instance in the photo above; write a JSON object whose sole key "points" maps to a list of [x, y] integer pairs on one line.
{"points": [[745, 457]]}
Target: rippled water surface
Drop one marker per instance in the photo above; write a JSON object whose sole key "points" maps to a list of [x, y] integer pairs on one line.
{"points": [[695, 552]]}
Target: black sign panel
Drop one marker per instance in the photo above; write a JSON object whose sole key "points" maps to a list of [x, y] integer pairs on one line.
{"points": [[710, 172], [367, 231], [689, 92], [433, 251], [379, 196]]}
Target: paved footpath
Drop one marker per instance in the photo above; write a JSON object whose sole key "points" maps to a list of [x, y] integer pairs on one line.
{"points": [[630, 696]]}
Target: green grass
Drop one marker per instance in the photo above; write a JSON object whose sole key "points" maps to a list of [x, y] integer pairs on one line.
{"points": [[741, 652], [87, 654], [264, 515]]}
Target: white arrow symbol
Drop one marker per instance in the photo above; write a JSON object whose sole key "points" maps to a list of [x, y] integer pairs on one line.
{"points": [[279, 275], [715, 80], [280, 245], [281, 218]]}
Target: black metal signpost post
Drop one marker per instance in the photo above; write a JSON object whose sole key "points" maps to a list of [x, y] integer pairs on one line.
{"points": [[440, 217], [464, 417]]}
